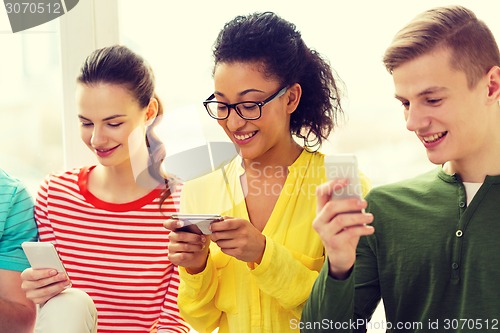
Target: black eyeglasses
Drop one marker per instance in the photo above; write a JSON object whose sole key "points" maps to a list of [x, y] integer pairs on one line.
{"points": [[248, 110]]}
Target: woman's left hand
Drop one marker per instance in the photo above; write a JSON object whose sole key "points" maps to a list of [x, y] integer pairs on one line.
{"points": [[239, 238]]}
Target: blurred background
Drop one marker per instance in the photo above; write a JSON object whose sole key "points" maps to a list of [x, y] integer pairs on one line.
{"points": [[38, 123]]}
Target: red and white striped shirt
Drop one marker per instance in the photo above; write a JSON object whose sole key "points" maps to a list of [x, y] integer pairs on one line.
{"points": [[117, 253]]}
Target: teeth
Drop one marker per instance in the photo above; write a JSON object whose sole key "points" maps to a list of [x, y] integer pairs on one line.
{"points": [[434, 137], [245, 136], [103, 150]]}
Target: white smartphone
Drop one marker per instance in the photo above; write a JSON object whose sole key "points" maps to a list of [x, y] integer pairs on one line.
{"points": [[344, 166], [43, 255], [197, 223]]}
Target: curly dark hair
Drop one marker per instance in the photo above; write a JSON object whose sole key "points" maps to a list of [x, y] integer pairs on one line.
{"points": [[278, 45]]}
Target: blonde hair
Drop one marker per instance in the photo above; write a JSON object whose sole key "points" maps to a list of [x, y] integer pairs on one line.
{"points": [[473, 46]]}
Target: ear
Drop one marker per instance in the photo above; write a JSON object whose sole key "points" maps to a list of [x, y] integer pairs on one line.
{"points": [[152, 111], [493, 84], [294, 93]]}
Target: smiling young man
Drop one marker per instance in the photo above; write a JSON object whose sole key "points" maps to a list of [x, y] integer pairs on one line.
{"points": [[432, 252]]}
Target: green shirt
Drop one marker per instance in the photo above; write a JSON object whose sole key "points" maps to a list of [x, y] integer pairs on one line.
{"points": [[434, 261]]}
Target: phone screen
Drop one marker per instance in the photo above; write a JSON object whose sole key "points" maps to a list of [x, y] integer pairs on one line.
{"points": [[43, 255], [344, 166]]}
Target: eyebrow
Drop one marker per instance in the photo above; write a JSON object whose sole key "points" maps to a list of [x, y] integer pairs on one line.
{"points": [[428, 91], [243, 93], [105, 119]]}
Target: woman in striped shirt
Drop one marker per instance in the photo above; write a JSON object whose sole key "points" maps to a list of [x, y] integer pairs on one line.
{"points": [[106, 220]]}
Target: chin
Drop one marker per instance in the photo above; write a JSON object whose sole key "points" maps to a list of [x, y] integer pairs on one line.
{"points": [[105, 163], [248, 154], [436, 159]]}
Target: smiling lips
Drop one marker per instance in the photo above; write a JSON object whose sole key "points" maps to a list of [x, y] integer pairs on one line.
{"points": [[243, 138], [434, 137], [433, 140], [104, 152]]}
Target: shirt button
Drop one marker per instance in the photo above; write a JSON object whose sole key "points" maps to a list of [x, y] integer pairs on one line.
{"points": [[459, 233], [462, 204], [454, 265]]}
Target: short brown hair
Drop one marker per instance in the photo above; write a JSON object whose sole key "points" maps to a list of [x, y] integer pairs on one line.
{"points": [[473, 46]]}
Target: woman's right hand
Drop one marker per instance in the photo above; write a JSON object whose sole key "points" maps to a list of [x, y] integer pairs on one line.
{"points": [[40, 285], [187, 249]]}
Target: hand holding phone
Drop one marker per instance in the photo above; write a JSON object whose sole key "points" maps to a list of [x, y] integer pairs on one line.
{"points": [[43, 255], [340, 237], [344, 166], [197, 223]]}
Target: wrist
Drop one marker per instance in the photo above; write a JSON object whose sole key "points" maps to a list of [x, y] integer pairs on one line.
{"points": [[196, 269], [263, 249], [339, 273], [251, 264]]}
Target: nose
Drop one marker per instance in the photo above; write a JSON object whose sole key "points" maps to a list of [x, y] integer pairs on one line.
{"points": [[234, 121], [416, 119], [98, 138]]}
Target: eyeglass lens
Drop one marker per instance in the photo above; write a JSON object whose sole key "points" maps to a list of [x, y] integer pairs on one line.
{"points": [[247, 110]]}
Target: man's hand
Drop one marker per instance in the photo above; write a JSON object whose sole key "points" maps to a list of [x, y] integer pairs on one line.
{"points": [[340, 224]]}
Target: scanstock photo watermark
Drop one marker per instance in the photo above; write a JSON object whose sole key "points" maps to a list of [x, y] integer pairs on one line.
{"points": [[28, 14], [355, 324], [439, 325]]}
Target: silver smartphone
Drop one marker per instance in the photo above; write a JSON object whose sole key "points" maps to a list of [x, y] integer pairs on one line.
{"points": [[344, 166], [43, 255], [197, 223]]}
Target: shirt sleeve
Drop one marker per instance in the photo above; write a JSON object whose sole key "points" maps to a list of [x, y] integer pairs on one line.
{"points": [[280, 272], [349, 303], [197, 298], [170, 319], [345, 304], [19, 226], [45, 230], [331, 301]]}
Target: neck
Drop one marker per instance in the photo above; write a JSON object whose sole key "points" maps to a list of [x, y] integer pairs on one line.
{"points": [[476, 167], [483, 161], [130, 176], [278, 156], [471, 173]]}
